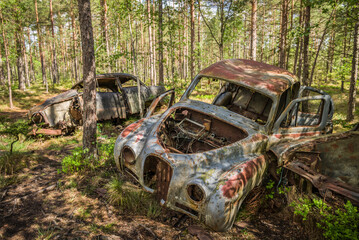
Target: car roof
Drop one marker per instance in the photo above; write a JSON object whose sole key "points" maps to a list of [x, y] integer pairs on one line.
{"points": [[266, 78], [108, 80]]}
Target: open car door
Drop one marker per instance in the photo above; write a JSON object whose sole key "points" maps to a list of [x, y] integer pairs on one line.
{"points": [[305, 116]]}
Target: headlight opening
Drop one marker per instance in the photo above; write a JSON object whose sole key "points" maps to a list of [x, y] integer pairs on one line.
{"points": [[128, 155], [195, 192]]}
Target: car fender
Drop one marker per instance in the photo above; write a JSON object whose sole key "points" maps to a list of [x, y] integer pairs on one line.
{"points": [[233, 187], [141, 128]]}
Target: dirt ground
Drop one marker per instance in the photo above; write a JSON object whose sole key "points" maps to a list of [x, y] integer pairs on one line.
{"points": [[45, 204]]}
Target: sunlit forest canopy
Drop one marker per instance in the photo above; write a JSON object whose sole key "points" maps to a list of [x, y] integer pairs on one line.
{"points": [[169, 42]]}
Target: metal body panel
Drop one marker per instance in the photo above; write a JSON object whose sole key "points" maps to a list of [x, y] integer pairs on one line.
{"points": [[58, 112], [110, 106]]}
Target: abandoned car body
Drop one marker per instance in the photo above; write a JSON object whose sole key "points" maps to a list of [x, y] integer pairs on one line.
{"points": [[114, 100], [202, 159]]}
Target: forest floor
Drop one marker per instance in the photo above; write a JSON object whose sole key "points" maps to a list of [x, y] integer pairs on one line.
{"points": [[39, 201]]}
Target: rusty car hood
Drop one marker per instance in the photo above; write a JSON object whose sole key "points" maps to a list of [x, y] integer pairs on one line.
{"points": [[270, 79], [57, 99]]}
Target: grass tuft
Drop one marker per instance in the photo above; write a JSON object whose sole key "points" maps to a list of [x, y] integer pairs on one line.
{"points": [[131, 198]]}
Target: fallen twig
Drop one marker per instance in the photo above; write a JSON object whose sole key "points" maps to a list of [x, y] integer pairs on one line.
{"points": [[150, 231], [3, 194]]}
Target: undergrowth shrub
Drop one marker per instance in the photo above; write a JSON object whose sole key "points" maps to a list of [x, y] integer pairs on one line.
{"points": [[335, 223], [79, 161]]}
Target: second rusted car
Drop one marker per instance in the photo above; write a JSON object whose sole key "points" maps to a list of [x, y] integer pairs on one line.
{"points": [[203, 156], [116, 98]]}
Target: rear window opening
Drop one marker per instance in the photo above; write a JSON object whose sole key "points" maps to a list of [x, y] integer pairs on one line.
{"points": [[244, 101]]}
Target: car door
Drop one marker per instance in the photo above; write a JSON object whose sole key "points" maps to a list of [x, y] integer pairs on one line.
{"points": [[305, 116]]}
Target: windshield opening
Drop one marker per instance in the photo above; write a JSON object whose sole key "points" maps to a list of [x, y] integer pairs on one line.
{"points": [[244, 101]]}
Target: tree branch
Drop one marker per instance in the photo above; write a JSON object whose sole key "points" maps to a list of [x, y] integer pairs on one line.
{"points": [[210, 30]]}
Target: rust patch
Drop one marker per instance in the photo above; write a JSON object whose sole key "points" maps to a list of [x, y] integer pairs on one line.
{"points": [[131, 128], [247, 171]]}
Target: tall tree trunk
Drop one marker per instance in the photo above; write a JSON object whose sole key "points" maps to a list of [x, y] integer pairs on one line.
{"points": [[154, 42], [55, 72], [26, 64], [245, 37], [273, 36], [305, 79], [263, 33], [20, 57], [160, 43], [2, 76], [354, 75], [298, 70], [221, 40], [253, 50], [89, 79], [7, 60], [331, 48], [74, 45], [192, 39], [105, 30], [20, 64], [199, 37], [344, 60], [44, 80], [150, 41], [289, 48], [283, 34], [32, 71]]}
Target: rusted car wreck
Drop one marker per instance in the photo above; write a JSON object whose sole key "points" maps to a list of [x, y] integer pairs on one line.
{"points": [[202, 157], [116, 98]]}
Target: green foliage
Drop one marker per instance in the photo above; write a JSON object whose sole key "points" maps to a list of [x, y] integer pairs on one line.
{"points": [[336, 224], [78, 161], [302, 208], [342, 224], [269, 187]]}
